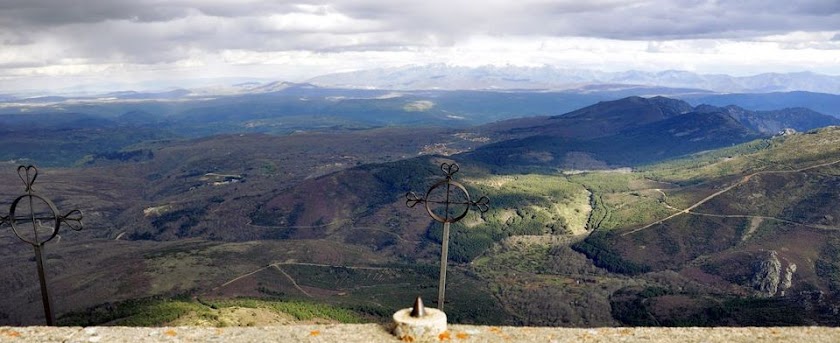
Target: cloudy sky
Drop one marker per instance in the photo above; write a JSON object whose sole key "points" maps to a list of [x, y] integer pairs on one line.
{"points": [[47, 44]]}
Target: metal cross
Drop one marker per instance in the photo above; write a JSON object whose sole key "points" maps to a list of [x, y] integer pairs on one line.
{"points": [[43, 217], [456, 204]]}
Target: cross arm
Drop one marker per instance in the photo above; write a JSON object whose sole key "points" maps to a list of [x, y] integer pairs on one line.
{"points": [[73, 219], [482, 204], [411, 199]]}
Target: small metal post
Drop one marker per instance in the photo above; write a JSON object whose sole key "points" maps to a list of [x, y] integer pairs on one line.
{"points": [[418, 310], [28, 174], [448, 217]]}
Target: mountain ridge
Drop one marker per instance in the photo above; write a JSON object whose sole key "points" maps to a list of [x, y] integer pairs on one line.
{"points": [[442, 76], [610, 133]]}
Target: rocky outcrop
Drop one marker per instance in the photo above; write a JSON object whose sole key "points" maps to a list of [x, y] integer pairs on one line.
{"points": [[771, 277], [787, 278], [767, 274]]}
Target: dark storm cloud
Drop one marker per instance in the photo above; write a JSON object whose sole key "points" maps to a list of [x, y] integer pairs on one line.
{"points": [[45, 13], [616, 19], [812, 8], [679, 19], [610, 18], [155, 31]]}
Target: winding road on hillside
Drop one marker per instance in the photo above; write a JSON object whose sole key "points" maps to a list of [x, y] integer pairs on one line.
{"points": [[294, 282], [743, 180]]}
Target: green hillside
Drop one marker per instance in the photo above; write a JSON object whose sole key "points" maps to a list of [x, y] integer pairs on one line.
{"points": [[765, 203]]}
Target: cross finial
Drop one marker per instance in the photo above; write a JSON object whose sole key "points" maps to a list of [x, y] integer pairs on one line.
{"points": [[451, 198], [42, 214], [455, 196]]}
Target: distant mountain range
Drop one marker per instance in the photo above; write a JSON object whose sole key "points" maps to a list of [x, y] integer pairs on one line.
{"points": [[441, 76], [286, 108], [633, 131]]}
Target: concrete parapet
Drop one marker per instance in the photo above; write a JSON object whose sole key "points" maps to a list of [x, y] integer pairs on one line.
{"points": [[377, 333]]}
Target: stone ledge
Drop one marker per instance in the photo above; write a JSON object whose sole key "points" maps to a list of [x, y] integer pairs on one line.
{"points": [[376, 333]]}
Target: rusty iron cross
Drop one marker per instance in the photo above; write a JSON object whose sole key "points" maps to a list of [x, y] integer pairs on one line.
{"points": [[45, 220], [456, 204]]}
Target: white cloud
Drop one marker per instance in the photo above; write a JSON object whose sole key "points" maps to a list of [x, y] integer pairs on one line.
{"points": [[317, 19]]}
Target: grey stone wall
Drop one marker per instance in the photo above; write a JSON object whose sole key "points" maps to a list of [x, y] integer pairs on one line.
{"points": [[368, 333]]}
